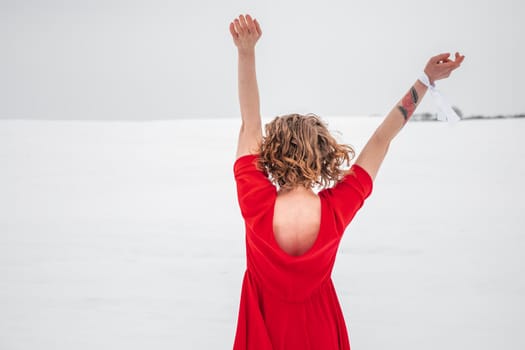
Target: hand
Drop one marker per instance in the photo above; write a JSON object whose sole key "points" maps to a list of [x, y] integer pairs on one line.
{"points": [[440, 66], [245, 32]]}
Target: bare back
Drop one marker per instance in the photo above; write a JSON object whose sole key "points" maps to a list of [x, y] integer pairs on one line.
{"points": [[296, 221]]}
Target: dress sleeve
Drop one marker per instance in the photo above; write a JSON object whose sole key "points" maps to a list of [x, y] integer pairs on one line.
{"points": [[349, 194], [254, 190]]}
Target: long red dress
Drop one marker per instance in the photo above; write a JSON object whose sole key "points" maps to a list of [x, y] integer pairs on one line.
{"points": [[289, 302]]}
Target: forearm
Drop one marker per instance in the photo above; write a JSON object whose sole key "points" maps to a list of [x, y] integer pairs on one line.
{"points": [[377, 146], [372, 155], [401, 112], [248, 89]]}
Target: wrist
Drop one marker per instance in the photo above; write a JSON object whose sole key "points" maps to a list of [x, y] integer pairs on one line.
{"points": [[246, 51], [425, 79], [430, 79]]}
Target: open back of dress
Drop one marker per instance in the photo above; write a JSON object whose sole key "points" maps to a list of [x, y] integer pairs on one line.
{"points": [[296, 221]]}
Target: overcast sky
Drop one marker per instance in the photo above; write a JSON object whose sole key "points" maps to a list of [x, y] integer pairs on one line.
{"points": [[151, 59]]}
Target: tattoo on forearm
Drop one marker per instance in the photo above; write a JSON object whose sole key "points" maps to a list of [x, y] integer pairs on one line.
{"points": [[404, 112], [409, 103]]}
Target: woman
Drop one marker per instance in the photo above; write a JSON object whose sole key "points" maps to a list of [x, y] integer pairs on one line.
{"points": [[288, 300]]}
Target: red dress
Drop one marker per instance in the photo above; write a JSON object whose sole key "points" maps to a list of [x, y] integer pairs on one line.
{"points": [[289, 302]]}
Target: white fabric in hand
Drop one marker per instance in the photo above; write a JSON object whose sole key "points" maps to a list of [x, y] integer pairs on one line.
{"points": [[445, 110]]}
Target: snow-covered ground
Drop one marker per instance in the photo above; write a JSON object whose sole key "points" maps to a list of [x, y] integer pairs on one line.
{"points": [[127, 235]]}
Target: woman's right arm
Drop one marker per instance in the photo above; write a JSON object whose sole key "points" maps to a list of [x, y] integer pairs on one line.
{"points": [[246, 32], [374, 152]]}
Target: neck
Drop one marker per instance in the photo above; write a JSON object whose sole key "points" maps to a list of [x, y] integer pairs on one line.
{"points": [[297, 190]]}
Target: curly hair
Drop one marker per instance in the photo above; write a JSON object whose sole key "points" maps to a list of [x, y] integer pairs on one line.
{"points": [[298, 150]]}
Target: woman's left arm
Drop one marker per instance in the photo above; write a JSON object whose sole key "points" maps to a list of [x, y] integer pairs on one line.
{"points": [[245, 32], [374, 152]]}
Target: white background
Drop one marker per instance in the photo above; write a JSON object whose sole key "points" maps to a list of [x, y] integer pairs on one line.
{"points": [[160, 59]]}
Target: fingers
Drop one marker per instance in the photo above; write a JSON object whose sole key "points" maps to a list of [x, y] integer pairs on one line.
{"points": [[457, 61], [246, 25], [238, 26], [445, 63], [257, 27], [459, 58], [448, 64], [245, 32], [440, 57], [441, 66], [251, 24], [233, 31], [443, 58]]}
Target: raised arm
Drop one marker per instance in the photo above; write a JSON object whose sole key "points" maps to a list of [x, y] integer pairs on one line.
{"points": [[372, 155], [245, 32]]}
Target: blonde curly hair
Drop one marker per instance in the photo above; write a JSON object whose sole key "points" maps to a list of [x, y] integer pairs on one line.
{"points": [[298, 150]]}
